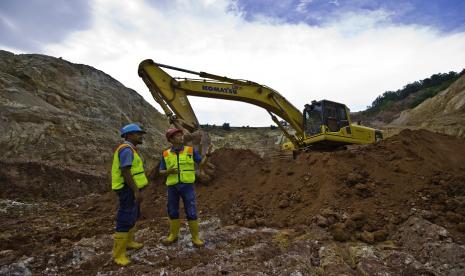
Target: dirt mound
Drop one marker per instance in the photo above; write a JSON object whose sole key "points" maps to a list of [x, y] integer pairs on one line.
{"points": [[360, 193]]}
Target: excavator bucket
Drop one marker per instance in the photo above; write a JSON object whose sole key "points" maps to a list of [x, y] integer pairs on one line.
{"points": [[200, 140]]}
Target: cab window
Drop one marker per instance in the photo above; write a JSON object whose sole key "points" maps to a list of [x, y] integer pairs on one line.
{"points": [[331, 114], [312, 120]]}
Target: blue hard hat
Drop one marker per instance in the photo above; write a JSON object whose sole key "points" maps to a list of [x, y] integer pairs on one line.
{"points": [[131, 128]]}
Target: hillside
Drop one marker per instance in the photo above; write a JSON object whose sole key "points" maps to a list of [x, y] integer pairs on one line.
{"points": [[388, 106], [261, 140], [443, 113], [63, 119]]}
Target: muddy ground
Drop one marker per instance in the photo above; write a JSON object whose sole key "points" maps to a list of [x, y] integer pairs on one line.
{"points": [[393, 208]]}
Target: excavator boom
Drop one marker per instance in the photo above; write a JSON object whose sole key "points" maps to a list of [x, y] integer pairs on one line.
{"points": [[172, 94]]}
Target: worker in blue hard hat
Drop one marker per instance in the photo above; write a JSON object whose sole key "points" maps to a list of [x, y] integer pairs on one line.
{"points": [[128, 179]]}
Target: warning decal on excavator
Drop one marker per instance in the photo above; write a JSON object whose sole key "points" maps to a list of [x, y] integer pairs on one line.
{"points": [[219, 89]]}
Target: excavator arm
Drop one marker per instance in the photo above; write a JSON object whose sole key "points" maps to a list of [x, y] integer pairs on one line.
{"points": [[171, 94]]}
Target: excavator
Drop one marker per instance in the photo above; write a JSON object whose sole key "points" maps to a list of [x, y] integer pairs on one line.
{"points": [[323, 124]]}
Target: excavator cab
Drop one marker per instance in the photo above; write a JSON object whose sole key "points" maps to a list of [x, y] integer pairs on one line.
{"points": [[323, 114], [327, 125]]}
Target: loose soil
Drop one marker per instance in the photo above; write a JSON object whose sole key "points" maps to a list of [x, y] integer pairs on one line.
{"points": [[380, 183], [268, 210]]}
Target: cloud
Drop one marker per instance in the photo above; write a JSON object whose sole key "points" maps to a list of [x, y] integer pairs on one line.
{"points": [[28, 25], [445, 15], [302, 6], [352, 59]]}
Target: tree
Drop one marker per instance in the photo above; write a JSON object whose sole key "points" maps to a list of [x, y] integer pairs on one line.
{"points": [[226, 126]]}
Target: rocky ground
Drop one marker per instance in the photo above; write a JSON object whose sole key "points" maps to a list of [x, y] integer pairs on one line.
{"points": [[392, 208]]}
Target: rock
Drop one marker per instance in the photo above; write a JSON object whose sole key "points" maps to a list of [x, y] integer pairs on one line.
{"points": [[358, 216], [363, 190], [332, 261], [431, 243], [284, 203], [367, 237], [331, 216], [354, 178], [7, 256], [443, 233], [350, 225], [367, 227], [328, 213], [367, 261], [339, 233], [427, 214], [321, 221], [359, 219], [380, 235], [21, 267]]}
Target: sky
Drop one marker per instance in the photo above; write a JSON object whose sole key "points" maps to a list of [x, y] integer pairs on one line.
{"points": [[347, 51]]}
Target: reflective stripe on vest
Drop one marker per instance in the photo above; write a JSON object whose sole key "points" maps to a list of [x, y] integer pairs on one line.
{"points": [[137, 170], [184, 161]]}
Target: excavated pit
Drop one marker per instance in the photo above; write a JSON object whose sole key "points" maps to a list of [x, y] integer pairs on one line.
{"points": [[367, 207]]}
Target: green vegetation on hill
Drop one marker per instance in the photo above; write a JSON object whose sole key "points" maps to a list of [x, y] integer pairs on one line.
{"points": [[421, 90]]}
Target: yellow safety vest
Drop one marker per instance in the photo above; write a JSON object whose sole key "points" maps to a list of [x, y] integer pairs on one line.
{"points": [[184, 161], [137, 170]]}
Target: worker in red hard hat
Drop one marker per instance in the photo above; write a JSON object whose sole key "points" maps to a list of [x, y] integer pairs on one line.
{"points": [[178, 164]]}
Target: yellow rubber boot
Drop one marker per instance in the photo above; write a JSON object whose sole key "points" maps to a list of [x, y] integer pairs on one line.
{"points": [[119, 248], [132, 244], [194, 227], [175, 224]]}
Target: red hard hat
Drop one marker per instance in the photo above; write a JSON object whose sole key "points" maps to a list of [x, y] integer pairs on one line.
{"points": [[170, 132]]}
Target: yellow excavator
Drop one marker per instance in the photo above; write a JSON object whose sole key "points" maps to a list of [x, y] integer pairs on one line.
{"points": [[322, 124]]}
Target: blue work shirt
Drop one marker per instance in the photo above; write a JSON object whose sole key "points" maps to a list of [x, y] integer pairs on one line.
{"points": [[197, 157], [126, 156]]}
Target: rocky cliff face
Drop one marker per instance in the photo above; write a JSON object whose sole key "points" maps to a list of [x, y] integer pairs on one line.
{"points": [[443, 113], [56, 115]]}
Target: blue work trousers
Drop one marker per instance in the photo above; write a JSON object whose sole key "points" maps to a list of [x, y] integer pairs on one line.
{"points": [[187, 193], [128, 211]]}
